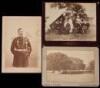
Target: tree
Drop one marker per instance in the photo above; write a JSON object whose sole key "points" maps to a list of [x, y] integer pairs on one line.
{"points": [[77, 8], [91, 66], [59, 61], [72, 11], [77, 64]]}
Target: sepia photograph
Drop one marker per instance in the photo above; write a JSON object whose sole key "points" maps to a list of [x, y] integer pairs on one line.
{"points": [[21, 44], [70, 66], [70, 21]]}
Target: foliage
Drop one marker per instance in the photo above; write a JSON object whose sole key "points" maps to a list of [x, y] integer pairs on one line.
{"points": [[60, 61], [91, 66]]}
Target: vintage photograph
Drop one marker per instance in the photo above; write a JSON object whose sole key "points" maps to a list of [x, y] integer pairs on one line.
{"points": [[21, 44], [70, 21], [70, 66]]}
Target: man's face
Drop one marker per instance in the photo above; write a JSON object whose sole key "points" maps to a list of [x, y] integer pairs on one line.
{"points": [[20, 33]]}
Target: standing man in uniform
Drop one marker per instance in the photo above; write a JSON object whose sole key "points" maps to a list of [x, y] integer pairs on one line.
{"points": [[21, 49]]}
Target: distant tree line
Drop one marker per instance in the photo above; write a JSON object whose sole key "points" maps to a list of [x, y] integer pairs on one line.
{"points": [[91, 66], [58, 61]]}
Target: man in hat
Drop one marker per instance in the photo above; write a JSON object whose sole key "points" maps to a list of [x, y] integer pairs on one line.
{"points": [[21, 49]]}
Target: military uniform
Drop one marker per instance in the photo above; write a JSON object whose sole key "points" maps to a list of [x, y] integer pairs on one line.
{"points": [[21, 49]]}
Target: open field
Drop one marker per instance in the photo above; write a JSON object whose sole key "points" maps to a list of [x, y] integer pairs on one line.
{"points": [[57, 77]]}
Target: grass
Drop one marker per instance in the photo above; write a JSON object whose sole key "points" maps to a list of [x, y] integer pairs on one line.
{"points": [[91, 36], [57, 77]]}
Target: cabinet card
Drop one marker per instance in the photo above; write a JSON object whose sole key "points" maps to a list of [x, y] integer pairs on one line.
{"points": [[70, 21], [70, 66], [21, 44]]}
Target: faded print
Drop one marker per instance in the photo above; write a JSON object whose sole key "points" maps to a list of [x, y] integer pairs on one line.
{"points": [[28, 45], [68, 66], [70, 21]]}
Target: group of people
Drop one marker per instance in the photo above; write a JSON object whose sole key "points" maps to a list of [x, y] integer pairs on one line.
{"points": [[67, 24], [76, 25]]}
